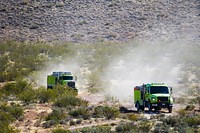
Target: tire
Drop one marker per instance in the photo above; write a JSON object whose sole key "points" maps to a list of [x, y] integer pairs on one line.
{"points": [[142, 108], [170, 109], [149, 106], [138, 107]]}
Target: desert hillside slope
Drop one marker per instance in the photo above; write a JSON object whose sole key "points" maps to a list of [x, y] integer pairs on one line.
{"points": [[97, 20]]}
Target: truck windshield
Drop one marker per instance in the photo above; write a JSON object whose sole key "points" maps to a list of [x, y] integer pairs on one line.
{"points": [[159, 89], [67, 77]]}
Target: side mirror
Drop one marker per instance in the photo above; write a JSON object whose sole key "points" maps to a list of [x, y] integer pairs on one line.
{"points": [[75, 78], [170, 90]]}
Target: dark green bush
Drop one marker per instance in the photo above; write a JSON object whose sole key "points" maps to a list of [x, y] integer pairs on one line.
{"points": [[44, 95], [66, 100], [5, 118], [16, 111], [9, 114], [60, 130], [133, 117], [161, 128], [19, 59], [144, 126], [106, 111], [96, 129], [72, 123], [15, 88], [193, 120], [49, 124], [190, 107], [56, 115], [172, 121], [28, 96], [127, 127], [80, 113], [9, 88]]}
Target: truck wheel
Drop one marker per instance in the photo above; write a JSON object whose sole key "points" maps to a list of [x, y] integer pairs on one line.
{"points": [[170, 109], [142, 108], [149, 106], [138, 107]]}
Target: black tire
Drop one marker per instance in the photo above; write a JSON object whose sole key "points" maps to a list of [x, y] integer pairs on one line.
{"points": [[149, 106], [138, 107], [170, 109], [142, 108]]}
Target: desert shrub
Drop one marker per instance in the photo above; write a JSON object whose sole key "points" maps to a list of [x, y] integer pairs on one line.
{"points": [[193, 121], [8, 114], [5, 118], [79, 121], [182, 112], [49, 124], [60, 90], [15, 88], [127, 127], [96, 129], [106, 111], [133, 117], [28, 96], [60, 130], [56, 115], [16, 111], [20, 59], [189, 107], [72, 123], [172, 121], [8, 88], [66, 100], [80, 113], [44, 95], [144, 126], [161, 128]]}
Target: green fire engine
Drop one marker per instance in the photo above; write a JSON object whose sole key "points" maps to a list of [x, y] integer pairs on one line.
{"points": [[153, 96], [62, 78]]}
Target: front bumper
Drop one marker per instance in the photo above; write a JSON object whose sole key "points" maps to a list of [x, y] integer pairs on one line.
{"points": [[162, 105]]}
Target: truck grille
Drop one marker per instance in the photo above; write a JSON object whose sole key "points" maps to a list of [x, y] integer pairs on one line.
{"points": [[71, 84], [163, 99]]}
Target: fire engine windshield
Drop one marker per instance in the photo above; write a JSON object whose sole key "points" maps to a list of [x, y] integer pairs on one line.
{"points": [[67, 77], [159, 89]]}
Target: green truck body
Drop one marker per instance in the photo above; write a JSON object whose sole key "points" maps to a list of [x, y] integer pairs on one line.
{"points": [[62, 78], [153, 96]]}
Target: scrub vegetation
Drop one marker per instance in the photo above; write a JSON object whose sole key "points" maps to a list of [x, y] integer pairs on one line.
{"points": [[19, 94]]}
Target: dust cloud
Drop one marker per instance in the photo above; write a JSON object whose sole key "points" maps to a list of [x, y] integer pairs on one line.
{"points": [[150, 62], [171, 61], [66, 65]]}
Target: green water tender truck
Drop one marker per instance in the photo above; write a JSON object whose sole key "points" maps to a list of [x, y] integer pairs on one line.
{"points": [[62, 78], [153, 96]]}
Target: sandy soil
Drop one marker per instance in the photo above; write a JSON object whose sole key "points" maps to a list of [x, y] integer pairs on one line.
{"points": [[32, 121]]}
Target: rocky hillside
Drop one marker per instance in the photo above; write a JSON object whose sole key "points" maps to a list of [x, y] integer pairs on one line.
{"points": [[97, 20]]}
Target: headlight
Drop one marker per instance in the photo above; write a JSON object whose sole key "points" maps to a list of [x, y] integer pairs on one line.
{"points": [[171, 100], [153, 99]]}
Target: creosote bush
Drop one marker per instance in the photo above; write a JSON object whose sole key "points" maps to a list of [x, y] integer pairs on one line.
{"points": [[60, 130], [96, 129], [28, 96], [56, 115], [126, 127], [66, 100], [43, 95], [9, 114], [19, 59], [15, 88], [80, 113], [106, 111]]}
